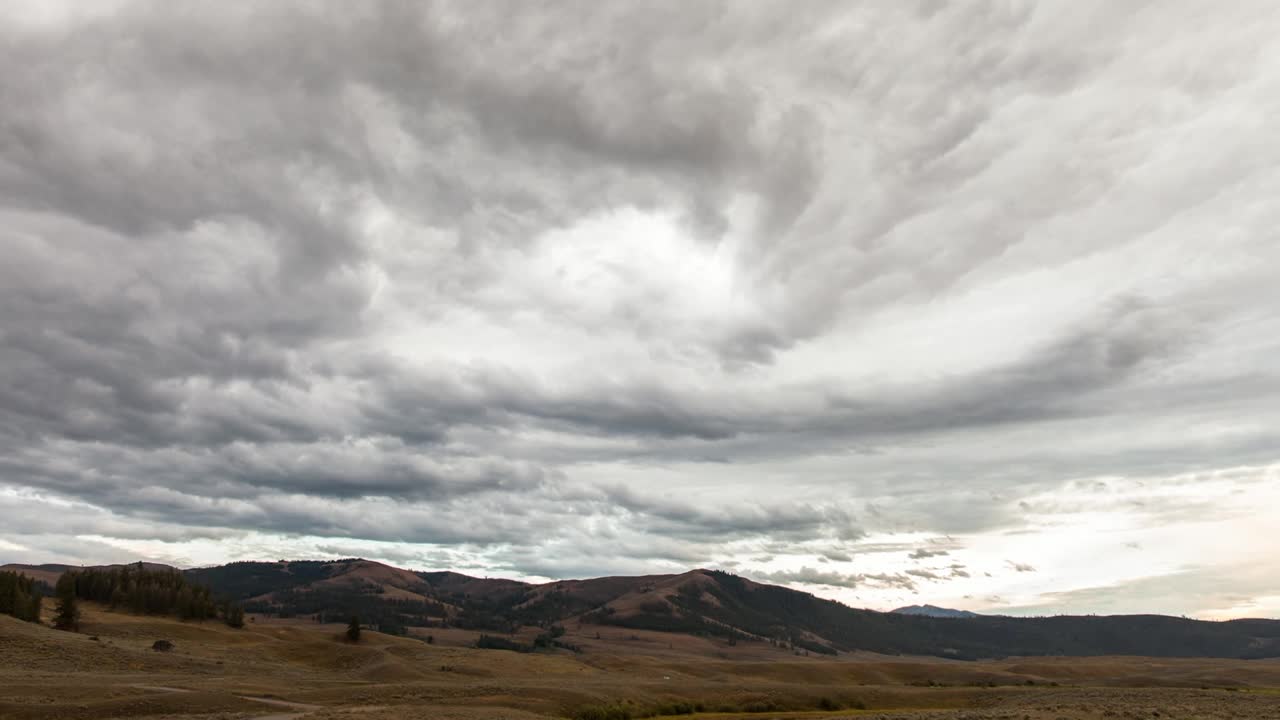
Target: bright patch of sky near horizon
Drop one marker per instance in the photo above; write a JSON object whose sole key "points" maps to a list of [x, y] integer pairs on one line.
{"points": [[894, 303]]}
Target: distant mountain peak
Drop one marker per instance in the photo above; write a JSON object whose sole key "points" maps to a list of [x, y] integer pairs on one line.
{"points": [[934, 611]]}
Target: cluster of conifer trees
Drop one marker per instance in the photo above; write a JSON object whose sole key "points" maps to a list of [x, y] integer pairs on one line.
{"points": [[139, 589], [19, 597], [144, 591], [134, 588]]}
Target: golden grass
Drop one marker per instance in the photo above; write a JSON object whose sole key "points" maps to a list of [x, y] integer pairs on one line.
{"points": [[46, 674]]}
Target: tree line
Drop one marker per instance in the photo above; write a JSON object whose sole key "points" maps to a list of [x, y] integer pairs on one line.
{"points": [[391, 616], [144, 591], [544, 641], [20, 596]]}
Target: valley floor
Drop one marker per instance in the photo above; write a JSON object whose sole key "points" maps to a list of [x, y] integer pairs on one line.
{"points": [[273, 670]]}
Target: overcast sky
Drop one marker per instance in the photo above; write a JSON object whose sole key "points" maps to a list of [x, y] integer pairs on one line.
{"points": [[894, 302]]}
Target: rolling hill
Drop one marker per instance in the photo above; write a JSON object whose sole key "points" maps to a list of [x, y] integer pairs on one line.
{"points": [[291, 668], [49, 573], [709, 604]]}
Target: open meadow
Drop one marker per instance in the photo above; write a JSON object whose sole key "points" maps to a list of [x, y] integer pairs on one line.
{"points": [[277, 669]]}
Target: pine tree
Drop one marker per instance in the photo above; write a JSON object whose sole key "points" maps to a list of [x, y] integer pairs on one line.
{"points": [[234, 615], [9, 591], [353, 629], [185, 604], [33, 609], [67, 616]]}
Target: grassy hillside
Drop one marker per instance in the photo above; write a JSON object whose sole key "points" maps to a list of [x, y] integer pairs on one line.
{"points": [[288, 667], [718, 604], [704, 603]]}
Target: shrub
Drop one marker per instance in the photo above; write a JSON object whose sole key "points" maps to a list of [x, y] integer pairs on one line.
{"points": [[494, 642], [602, 712], [677, 708]]}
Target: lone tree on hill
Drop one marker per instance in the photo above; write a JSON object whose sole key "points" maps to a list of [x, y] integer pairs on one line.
{"points": [[67, 615], [353, 629], [234, 615]]}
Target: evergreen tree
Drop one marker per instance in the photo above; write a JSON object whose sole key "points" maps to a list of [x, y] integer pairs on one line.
{"points": [[33, 609], [186, 603], [353, 629], [8, 592], [67, 616], [234, 615]]}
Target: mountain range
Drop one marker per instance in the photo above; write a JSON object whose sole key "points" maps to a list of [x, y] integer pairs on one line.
{"points": [[933, 611], [709, 603]]}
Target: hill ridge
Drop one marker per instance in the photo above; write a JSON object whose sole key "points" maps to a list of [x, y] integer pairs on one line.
{"points": [[710, 603], [933, 611]]}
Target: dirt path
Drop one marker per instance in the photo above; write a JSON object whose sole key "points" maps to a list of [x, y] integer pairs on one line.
{"points": [[160, 688], [299, 708]]}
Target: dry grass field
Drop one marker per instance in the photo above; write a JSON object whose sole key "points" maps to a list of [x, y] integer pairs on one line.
{"points": [[296, 669]]}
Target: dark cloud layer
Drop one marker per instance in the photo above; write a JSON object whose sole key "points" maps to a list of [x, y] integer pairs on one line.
{"points": [[592, 288]]}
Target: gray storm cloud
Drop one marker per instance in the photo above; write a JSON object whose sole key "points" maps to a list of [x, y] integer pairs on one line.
{"points": [[680, 283]]}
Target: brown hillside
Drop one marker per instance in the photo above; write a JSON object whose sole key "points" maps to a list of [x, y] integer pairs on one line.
{"points": [[50, 573], [596, 592], [394, 582], [359, 575], [446, 583]]}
